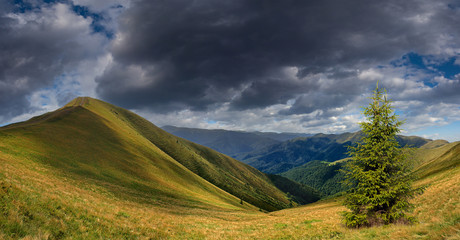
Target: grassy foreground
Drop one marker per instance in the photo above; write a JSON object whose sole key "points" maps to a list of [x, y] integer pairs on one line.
{"points": [[45, 197], [37, 204]]}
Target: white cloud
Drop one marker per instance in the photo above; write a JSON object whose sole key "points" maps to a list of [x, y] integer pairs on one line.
{"points": [[41, 101], [370, 74], [51, 54], [286, 87], [55, 18]]}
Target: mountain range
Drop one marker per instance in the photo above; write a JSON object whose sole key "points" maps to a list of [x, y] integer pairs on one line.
{"points": [[232, 143], [279, 152], [92, 170]]}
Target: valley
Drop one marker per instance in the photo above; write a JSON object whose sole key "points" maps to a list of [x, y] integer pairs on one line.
{"points": [[91, 170]]}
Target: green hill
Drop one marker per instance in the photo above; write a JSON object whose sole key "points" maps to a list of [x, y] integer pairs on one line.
{"points": [[430, 158], [297, 192], [323, 176], [92, 139], [87, 171], [432, 161]]}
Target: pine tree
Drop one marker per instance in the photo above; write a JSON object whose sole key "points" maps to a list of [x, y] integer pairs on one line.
{"points": [[378, 171]]}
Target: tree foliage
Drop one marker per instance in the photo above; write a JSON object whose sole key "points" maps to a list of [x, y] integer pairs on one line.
{"points": [[324, 176], [297, 192], [378, 170]]}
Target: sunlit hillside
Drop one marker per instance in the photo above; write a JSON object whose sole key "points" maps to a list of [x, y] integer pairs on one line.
{"points": [[94, 171]]}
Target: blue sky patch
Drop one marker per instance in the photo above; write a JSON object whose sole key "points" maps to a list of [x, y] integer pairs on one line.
{"points": [[97, 19], [428, 64]]}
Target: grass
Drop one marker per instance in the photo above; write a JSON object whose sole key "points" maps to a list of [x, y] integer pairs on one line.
{"points": [[43, 205], [95, 195], [59, 207], [93, 139]]}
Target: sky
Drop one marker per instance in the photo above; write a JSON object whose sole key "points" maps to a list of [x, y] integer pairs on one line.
{"points": [[253, 65]]}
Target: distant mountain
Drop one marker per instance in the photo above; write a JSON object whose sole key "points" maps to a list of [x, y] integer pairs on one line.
{"points": [[91, 170], [284, 136], [323, 147], [231, 143]]}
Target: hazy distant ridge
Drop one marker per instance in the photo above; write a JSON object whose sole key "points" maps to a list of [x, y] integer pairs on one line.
{"points": [[324, 147], [232, 143]]}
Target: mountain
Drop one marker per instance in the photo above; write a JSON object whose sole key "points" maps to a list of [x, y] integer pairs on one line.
{"points": [[232, 143], [436, 166], [86, 171], [428, 159], [92, 139], [281, 157], [287, 155]]}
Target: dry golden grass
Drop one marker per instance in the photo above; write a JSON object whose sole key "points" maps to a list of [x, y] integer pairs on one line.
{"points": [[436, 209], [46, 201]]}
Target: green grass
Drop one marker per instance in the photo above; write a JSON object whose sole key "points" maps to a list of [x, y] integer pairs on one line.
{"points": [[93, 139], [438, 160], [87, 173]]}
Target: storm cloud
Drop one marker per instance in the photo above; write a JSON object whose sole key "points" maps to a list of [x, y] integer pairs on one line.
{"points": [[194, 54], [266, 65], [36, 48]]}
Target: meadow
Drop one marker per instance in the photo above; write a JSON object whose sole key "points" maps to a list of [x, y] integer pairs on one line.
{"points": [[51, 192]]}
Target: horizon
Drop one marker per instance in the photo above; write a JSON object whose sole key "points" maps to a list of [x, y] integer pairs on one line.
{"points": [[294, 66], [251, 131]]}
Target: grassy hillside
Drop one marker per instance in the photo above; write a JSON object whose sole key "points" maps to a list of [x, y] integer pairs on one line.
{"points": [[433, 161], [85, 142], [431, 157], [37, 203], [92, 139], [323, 176], [84, 191]]}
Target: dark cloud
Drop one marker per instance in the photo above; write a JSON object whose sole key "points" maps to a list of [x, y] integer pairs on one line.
{"points": [[446, 91], [289, 65], [235, 48], [36, 47], [273, 91], [318, 101]]}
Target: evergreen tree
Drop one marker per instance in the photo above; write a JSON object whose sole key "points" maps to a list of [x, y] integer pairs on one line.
{"points": [[378, 171]]}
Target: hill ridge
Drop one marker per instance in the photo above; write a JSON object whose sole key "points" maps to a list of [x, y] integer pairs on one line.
{"points": [[47, 192], [132, 135]]}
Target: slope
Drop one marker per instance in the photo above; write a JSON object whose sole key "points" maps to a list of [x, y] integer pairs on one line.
{"points": [[41, 201], [432, 161], [35, 203], [430, 158], [287, 155], [89, 138], [323, 176]]}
